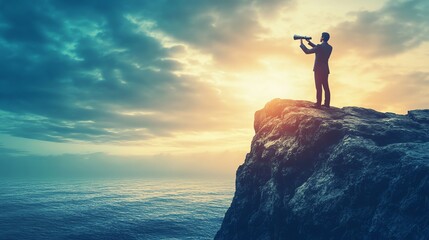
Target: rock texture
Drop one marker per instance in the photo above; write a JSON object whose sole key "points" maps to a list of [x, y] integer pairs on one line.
{"points": [[350, 173]]}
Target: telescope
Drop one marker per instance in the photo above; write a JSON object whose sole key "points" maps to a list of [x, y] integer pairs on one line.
{"points": [[297, 37]]}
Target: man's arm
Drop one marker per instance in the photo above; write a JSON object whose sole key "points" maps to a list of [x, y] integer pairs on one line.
{"points": [[306, 50], [311, 43]]}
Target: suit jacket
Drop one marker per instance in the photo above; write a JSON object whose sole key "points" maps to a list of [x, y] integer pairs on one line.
{"points": [[323, 52]]}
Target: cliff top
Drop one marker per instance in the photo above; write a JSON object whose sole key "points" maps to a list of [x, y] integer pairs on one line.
{"points": [[382, 128]]}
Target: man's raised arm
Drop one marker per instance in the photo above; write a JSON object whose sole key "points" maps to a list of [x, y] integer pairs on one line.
{"points": [[311, 43], [306, 50]]}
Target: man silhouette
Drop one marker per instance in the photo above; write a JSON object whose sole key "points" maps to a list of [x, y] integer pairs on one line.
{"points": [[321, 68]]}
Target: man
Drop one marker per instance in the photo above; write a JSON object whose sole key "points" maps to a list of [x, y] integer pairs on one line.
{"points": [[321, 68]]}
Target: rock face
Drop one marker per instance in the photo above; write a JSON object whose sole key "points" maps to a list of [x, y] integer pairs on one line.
{"points": [[350, 173]]}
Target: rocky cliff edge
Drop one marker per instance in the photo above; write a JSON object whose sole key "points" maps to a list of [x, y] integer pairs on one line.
{"points": [[349, 173]]}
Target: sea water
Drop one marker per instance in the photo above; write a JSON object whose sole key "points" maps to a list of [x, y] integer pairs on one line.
{"points": [[113, 209]]}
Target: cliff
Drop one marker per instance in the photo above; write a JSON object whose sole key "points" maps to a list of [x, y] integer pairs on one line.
{"points": [[349, 173]]}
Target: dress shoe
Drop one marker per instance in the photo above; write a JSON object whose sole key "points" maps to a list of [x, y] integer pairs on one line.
{"points": [[316, 106]]}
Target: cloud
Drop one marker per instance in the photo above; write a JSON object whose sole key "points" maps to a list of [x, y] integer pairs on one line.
{"points": [[230, 31], [398, 26], [78, 70]]}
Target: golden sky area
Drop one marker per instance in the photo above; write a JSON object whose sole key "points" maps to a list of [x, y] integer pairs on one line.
{"points": [[228, 60]]}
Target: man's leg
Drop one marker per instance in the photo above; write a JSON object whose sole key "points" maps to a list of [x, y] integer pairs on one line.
{"points": [[325, 85], [318, 82]]}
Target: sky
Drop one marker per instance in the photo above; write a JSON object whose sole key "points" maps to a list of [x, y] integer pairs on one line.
{"points": [[176, 82]]}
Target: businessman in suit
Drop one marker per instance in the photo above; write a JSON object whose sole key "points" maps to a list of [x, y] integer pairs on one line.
{"points": [[321, 68]]}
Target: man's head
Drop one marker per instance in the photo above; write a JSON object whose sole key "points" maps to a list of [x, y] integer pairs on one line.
{"points": [[325, 37]]}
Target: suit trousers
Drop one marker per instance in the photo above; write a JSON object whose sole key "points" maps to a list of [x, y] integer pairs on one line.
{"points": [[321, 80]]}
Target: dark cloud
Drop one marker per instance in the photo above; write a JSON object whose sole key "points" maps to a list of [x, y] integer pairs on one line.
{"points": [[395, 28], [73, 69], [229, 30]]}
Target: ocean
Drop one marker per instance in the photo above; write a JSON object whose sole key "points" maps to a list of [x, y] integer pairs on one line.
{"points": [[113, 209]]}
